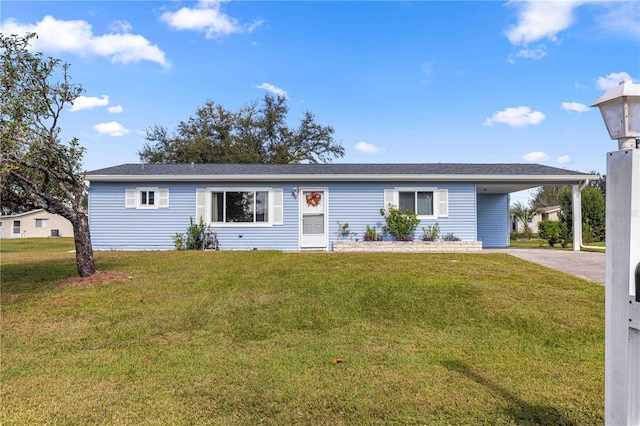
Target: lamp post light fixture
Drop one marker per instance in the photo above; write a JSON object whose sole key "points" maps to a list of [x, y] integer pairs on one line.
{"points": [[620, 108]]}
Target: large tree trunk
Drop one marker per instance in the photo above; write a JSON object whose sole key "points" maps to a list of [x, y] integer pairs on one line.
{"points": [[84, 251]]}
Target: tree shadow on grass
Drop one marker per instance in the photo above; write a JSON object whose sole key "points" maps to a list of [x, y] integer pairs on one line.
{"points": [[522, 412], [36, 276]]}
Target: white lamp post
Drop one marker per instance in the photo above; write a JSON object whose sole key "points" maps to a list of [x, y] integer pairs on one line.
{"points": [[620, 108]]}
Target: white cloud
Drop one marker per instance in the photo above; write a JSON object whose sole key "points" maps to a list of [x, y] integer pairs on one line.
{"points": [[206, 17], [575, 106], [535, 156], [116, 109], [538, 20], [273, 89], [368, 148], [120, 27], [516, 117], [113, 128], [621, 18], [76, 37], [537, 53], [89, 102], [612, 80], [563, 159]]}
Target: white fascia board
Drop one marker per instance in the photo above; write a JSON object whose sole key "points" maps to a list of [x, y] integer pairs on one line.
{"points": [[30, 212], [342, 177]]}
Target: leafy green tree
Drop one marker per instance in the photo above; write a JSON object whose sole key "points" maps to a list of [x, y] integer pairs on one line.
{"points": [[37, 170], [524, 215], [600, 184], [547, 196], [255, 134], [593, 212]]}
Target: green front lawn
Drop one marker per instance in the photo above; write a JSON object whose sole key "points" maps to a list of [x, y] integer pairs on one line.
{"points": [[291, 338], [538, 243]]}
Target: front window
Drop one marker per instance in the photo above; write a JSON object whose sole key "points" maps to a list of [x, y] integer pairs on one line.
{"points": [[419, 202], [240, 206], [41, 223], [16, 226]]}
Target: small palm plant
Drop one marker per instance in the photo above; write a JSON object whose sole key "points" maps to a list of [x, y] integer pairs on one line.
{"points": [[525, 215]]}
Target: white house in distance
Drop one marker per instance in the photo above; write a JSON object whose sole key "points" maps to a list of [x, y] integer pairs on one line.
{"points": [[545, 213], [35, 224]]}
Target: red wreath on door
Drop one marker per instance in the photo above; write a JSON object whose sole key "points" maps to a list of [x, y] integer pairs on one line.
{"points": [[313, 199]]}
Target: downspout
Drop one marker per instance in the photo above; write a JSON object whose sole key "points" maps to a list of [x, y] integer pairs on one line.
{"points": [[577, 218]]}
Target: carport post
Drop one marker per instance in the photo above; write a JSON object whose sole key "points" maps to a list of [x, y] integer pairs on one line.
{"points": [[577, 216], [620, 108]]}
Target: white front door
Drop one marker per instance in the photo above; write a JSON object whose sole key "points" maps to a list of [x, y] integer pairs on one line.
{"points": [[313, 219]]}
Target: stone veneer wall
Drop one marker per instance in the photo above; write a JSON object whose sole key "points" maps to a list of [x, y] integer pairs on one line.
{"points": [[409, 246]]}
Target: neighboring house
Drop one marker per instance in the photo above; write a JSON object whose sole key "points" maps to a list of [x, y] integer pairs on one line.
{"points": [[35, 224], [297, 207], [545, 213]]}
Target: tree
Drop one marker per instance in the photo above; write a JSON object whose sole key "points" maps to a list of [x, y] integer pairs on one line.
{"points": [[524, 214], [547, 196], [593, 213], [256, 134], [600, 184], [37, 170]]}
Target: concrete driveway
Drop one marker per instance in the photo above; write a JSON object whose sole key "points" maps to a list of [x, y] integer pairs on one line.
{"points": [[583, 264]]}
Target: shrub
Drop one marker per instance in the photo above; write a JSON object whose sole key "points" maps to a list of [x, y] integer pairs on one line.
{"points": [[431, 232], [450, 237], [554, 232], [344, 231], [178, 241], [400, 224], [195, 235], [371, 234]]}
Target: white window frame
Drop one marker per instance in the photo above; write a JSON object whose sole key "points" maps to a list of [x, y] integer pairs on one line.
{"points": [[440, 200], [44, 223], [274, 206], [140, 204], [133, 198]]}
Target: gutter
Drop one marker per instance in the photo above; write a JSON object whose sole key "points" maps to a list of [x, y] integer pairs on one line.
{"points": [[580, 188], [533, 179]]}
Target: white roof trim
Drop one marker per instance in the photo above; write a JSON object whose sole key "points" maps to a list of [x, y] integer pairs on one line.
{"points": [[342, 177], [30, 212]]}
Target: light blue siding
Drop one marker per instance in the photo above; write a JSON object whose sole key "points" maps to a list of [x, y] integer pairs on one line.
{"points": [[493, 220], [115, 227], [359, 204]]}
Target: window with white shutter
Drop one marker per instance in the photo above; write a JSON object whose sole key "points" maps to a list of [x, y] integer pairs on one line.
{"points": [[146, 198], [427, 203]]}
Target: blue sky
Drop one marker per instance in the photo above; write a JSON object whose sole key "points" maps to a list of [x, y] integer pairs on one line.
{"points": [[420, 81]]}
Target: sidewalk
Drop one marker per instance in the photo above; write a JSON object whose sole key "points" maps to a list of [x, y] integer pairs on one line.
{"points": [[583, 264]]}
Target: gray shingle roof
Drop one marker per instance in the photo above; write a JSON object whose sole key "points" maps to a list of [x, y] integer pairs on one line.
{"points": [[432, 169]]}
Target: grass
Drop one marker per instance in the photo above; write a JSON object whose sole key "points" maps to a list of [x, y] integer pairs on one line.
{"points": [[538, 243], [251, 338]]}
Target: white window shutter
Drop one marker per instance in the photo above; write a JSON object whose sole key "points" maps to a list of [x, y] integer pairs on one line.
{"points": [[389, 198], [443, 202], [201, 205], [278, 207], [130, 198], [163, 198]]}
